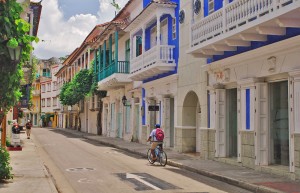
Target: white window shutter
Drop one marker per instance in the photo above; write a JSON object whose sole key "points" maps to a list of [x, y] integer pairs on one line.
{"points": [[239, 125], [220, 123], [261, 130], [166, 120]]}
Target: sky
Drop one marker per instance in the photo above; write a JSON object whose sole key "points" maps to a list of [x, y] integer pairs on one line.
{"points": [[64, 24]]}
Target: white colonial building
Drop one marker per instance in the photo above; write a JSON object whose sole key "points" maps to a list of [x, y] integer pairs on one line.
{"points": [[252, 73]]}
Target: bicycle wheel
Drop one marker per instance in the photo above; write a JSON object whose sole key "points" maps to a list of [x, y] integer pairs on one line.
{"points": [[163, 158], [149, 156]]}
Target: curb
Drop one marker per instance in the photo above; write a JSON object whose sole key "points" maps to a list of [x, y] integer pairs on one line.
{"points": [[238, 183]]}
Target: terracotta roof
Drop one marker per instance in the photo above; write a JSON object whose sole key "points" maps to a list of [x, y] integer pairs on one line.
{"points": [[69, 57], [95, 32], [119, 23], [123, 9], [92, 37]]}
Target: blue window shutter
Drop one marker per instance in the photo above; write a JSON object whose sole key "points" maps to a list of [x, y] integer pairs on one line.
{"points": [[247, 109]]}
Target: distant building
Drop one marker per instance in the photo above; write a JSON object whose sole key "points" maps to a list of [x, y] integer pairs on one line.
{"points": [[48, 84]]}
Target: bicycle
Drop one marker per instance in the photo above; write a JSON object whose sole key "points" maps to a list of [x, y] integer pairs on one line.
{"points": [[160, 154]]}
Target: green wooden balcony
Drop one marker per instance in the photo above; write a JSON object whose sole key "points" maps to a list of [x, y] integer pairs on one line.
{"points": [[115, 67], [114, 75], [46, 74]]}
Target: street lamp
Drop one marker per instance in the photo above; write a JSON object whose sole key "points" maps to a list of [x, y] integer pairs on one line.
{"points": [[124, 101], [15, 53]]}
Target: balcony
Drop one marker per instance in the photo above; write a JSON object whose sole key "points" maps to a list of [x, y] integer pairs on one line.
{"points": [[46, 74], [36, 92], [24, 102], [157, 60], [57, 107], [114, 75], [240, 22]]}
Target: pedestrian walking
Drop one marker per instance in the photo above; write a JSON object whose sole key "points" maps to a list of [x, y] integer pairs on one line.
{"points": [[28, 128]]}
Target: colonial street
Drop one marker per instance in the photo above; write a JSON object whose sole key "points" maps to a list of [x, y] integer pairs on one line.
{"points": [[79, 165]]}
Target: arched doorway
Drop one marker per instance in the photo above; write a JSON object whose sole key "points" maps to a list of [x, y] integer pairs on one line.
{"points": [[191, 119]]}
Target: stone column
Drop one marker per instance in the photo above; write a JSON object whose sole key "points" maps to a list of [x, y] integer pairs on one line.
{"points": [[158, 30]]}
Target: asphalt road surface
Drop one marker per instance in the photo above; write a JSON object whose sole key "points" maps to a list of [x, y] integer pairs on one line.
{"points": [[83, 166]]}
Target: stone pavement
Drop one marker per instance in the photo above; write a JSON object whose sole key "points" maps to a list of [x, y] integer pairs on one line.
{"points": [[30, 174], [246, 178]]}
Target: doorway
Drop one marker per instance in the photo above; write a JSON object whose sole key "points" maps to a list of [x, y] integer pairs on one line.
{"points": [[172, 126], [279, 123], [231, 123], [120, 121], [86, 117], [112, 119], [137, 123]]}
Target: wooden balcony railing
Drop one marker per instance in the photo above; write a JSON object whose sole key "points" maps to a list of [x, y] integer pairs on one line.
{"points": [[162, 54], [115, 67], [236, 15]]}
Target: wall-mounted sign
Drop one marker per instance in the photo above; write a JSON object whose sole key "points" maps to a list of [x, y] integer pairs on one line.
{"points": [[153, 108]]}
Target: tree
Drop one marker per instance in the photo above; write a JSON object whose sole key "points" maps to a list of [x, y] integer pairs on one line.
{"points": [[73, 92], [13, 32]]}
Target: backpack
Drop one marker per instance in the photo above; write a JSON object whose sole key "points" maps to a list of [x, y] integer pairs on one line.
{"points": [[159, 134]]}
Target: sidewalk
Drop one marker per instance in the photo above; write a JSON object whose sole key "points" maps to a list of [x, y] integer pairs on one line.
{"points": [[239, 176], [30, 175]]}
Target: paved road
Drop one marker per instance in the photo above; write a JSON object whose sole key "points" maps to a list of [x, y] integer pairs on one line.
{"points": [[79, 165]]}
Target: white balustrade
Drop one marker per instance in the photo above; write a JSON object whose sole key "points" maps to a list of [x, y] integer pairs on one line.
{"points": [[162, 54], [136, 63], [236, 14]]}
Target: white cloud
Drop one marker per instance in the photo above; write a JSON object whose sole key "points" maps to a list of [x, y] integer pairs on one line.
{"points": [[107, 11], [59, 37]]}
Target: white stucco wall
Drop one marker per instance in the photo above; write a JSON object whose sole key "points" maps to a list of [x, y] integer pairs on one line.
{"points": [[192, 76]]}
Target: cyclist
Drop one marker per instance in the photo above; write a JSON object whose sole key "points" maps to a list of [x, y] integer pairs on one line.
{"points": [[155, 142]]}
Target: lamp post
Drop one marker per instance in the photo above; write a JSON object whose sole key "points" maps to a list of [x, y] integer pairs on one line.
{"points": [[124, 101], [15, 53]]}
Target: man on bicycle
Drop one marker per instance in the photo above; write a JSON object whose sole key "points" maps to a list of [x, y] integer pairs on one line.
{"points": [[155, 141]]}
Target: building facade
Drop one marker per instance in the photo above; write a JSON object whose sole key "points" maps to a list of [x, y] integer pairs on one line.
{"points": [[49, 89], [81, 58], [221, 77], [252, 75], [134, 68]]}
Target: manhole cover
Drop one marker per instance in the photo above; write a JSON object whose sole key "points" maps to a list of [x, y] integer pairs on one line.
{"points": [[80, 169]]}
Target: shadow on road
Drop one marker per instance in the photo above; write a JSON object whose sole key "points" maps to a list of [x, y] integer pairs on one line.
{"points": [[208, 181], [93, 142]]}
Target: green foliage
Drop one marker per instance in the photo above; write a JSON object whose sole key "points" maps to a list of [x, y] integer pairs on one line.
{"points": [[13, 31], [95, 82], [80, 86], [5, 169], [8, 144]]}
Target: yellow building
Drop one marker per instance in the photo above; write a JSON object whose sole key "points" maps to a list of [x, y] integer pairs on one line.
{"points": [[36, 101]]}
